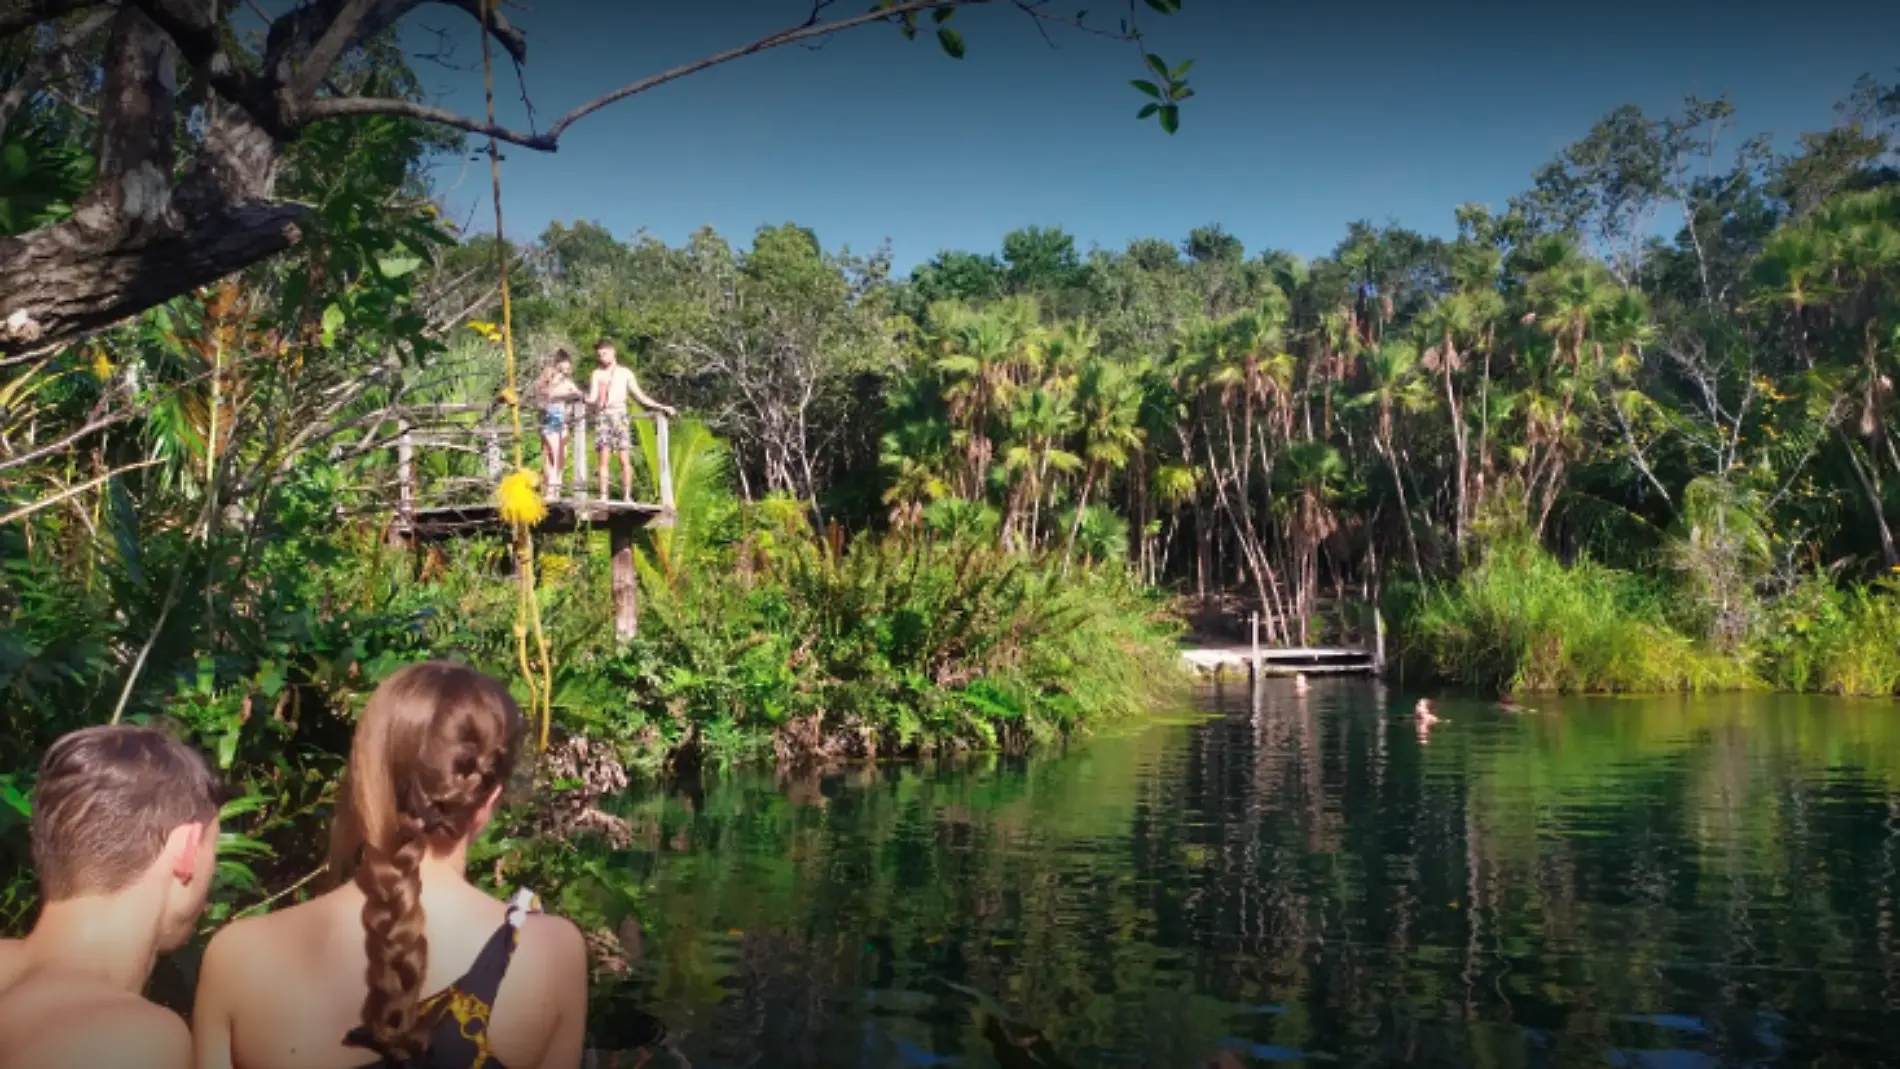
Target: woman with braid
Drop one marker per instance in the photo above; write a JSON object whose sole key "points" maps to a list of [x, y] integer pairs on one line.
{"points": [[406, 963]]}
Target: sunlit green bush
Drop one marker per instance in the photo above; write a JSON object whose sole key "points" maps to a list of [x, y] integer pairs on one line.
{"points": [[1522, 620]]}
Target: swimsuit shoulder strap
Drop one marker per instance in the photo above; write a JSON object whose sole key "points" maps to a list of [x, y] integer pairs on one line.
{"points": [[483, 979]]}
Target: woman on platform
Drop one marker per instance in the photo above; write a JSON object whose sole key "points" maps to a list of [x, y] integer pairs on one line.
{"points": [[555, 392]]}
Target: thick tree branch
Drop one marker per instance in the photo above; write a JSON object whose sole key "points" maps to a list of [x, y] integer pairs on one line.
{"points": [[297, 35], [70, 280], [345, 28], [27, 14]]}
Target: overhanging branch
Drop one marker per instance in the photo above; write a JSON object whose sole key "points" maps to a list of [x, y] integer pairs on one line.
{"points": [[550, 141], [27, 14]]}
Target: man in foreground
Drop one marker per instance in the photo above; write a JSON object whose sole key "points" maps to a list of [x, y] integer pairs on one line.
{"points": [[125, 832], [607, 394]]}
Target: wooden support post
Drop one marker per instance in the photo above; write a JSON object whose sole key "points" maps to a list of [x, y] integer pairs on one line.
{"points": [[491, 451], [1378, 642], [626, 580], [577, 445], [664, 458], [1253, 664], [405, 477]]}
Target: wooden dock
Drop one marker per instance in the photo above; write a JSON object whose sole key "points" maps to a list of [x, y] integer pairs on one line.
{"points": [[1219, 661], [465, 506]]}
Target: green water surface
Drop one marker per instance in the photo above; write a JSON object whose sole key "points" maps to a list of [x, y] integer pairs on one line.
{"points": [[1661, 882]]}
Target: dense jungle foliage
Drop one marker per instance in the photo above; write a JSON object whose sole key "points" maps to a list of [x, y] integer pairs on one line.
{"points": [[1633, 430]]}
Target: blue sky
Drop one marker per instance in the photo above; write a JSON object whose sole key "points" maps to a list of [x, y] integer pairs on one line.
{"points": [[1305, 118]]}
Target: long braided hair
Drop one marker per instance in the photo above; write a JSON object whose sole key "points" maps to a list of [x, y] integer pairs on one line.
{"points": [[429, 754]]}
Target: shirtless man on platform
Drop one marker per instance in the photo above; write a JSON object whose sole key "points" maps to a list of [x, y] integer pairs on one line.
{"points": [[125, 833], [607, 395]]}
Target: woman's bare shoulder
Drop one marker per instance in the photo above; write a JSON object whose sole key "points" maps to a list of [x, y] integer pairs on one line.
{"points": [[551, 945], [265, 937]]}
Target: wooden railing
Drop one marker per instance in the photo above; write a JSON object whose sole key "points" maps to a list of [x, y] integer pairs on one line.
{"points": [[445, 460]]}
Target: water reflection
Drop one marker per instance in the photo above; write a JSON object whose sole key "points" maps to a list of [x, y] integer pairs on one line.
{"points": [[1302, 878]]}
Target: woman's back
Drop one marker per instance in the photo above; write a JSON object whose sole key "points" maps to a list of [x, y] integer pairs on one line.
{"points": [[285, 991], [407, 962]]}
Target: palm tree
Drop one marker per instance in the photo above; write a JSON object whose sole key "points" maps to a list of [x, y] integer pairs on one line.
{"points": [[1463, 318], [1039, 423], [1313, 471], [911, 457], [1395, 386], [1109, 408], [701, 466]]}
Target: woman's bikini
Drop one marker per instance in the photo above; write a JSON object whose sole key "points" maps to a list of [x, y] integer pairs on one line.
{"points": [[459, 1036]]}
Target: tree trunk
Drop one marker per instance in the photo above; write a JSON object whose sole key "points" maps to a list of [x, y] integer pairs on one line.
{"points": [[1887, 548], [1405, 510], [1081, 506], [1464, 467]]}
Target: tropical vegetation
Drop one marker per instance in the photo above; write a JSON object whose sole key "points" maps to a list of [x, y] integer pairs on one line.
{"points": [[1562, 446]]}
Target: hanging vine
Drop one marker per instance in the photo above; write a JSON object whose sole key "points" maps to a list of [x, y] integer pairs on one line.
{"points": [[519, 493]]}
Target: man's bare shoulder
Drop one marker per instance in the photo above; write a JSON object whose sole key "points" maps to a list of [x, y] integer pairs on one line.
{"points": [[12, 961], [100, 1029]]}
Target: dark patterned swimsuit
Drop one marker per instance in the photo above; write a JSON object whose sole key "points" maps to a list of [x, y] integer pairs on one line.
{"points": [[459, 1037]]}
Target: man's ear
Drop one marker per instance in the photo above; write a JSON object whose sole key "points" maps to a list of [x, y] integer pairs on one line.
{"points": [[183, 844]]}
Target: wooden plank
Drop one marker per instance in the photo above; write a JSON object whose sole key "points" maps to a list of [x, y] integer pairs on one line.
{"points": [[663, 449], [457, 521], [577, 448], [626, 580]]}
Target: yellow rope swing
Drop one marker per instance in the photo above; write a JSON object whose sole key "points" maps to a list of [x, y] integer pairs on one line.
{"points": [[519, 493]]}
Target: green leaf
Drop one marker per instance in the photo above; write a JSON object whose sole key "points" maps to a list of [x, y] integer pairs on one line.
{"points": [[398, 266], [1165, 7], [1149, 88], [1147, 111], [15, 799], [1156, 64], [952, 42], [1171, 118], [1181, 71], [270, 679], [227, 749], [942, 14], [237, 874], [332, 321], [237, 807]]}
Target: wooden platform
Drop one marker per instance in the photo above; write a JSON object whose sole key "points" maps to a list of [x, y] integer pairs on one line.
{"points": [[462, 521], [1320, 660]]}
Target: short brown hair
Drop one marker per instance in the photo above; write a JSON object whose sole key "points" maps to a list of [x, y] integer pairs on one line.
{"points": [[604, 343], [106, 799]]}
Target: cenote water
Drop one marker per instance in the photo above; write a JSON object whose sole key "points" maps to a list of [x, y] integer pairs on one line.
{"points": [[1659, 882]]}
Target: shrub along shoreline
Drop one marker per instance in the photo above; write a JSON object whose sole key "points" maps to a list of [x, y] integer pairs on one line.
{"points": [[1521, 621]]}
